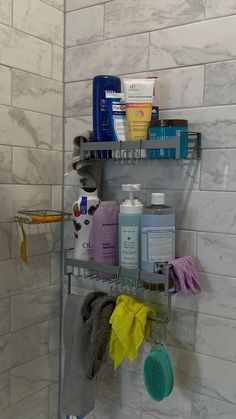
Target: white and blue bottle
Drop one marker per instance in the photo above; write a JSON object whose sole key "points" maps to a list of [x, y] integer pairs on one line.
{"points": [[157, 234], [129, 229]]}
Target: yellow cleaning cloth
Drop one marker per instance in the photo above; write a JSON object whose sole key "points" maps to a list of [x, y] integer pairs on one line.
{"points": [[23, 246], [129, 328]]}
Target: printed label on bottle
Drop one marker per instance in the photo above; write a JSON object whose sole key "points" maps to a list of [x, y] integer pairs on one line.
{"points": [[129, 247], [157, 244]]}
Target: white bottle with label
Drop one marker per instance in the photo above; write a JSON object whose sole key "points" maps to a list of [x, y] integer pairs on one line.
{"points": [[129, 229], [83, 211], [157, 235]]}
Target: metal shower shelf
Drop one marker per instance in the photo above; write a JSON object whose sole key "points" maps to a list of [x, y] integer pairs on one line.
{"points": [[124, 281], [125, 150], [42, 216]]}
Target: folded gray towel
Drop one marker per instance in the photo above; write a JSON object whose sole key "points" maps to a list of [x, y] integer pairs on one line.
{"points": [[78, 394], [96, 311]]}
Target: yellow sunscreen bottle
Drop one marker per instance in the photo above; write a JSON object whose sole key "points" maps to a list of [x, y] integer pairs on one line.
{"points": [[138, 104]]}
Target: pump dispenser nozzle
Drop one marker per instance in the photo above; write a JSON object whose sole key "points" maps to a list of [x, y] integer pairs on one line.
{"points": [[131, 205]]}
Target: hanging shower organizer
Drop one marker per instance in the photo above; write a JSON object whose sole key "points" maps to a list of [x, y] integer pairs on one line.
{"points": [[131, 152], [130, 281]]}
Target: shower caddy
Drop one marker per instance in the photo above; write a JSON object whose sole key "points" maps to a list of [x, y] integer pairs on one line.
{"points": [[130, 152]]}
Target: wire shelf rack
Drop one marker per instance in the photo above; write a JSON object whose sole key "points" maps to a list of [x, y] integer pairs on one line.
{"points": [[121, 280], [132, 151], [41, 216]]}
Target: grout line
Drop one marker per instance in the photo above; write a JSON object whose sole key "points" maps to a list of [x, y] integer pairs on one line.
{"points": [[12, 13], [87, 7]]}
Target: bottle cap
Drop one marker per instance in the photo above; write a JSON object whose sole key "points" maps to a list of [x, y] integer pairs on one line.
{"points": [[158, 199]]}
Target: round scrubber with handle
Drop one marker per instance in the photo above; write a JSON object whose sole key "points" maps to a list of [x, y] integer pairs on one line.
{"points": [[158, 373]]}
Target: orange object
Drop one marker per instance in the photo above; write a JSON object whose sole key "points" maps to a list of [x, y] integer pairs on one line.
{"points": [[45, 218]]}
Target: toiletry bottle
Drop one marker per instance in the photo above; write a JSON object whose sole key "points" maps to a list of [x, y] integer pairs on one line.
{"points": [[83, 211], [157, 235], [105, 235], [101, 130], [129, 229]]}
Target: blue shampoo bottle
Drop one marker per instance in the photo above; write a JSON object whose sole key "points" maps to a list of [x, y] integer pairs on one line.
{"points": [[101, 129]]}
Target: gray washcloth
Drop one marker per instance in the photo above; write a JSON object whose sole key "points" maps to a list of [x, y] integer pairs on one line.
{"points": [[96, 313], [89, 171], [78, 394]]}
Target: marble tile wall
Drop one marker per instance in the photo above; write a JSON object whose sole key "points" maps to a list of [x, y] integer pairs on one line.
{"points": [[31, 165], [190, 46]]}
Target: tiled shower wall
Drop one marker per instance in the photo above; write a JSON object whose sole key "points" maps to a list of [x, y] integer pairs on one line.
{"points": [[31, 108], [191, 46]]}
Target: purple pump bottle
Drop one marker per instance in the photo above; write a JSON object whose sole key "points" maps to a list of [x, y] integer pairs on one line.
{"points": [[105, 235]]}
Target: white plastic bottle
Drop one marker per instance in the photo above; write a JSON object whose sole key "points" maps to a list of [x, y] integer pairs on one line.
{"points": [[129, 229], [83, 211]]}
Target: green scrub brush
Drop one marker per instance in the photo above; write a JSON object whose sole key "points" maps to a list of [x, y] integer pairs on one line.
{"points": [[158, 373]]}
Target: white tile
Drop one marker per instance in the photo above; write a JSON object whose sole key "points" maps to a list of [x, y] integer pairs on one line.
{"points": [[218, 297], [24, 51], [32, 166], [78, 98], [121, 55], [218, 170], [23, 197], [4, 390], [57, 133], [84, 26], [53, 399], [33, 376], [4, 318], [180, 88], [39, 19], [55, 268], [204, 210], [5, 240], [23, 346], [216, 90], [197, 43], [204, 407], [54, 337], [74, 127], [27, 307], [216, 336], [204, 374], [216, 253], [220, 8], [35, 406], [127, 387], [185, 243], [217, 124], [36, 93], [18, 277], [57, 197], [5, 85], [57, 63], [181, 329], [123, 17], [78, 4], [152, 174], [107, 409], [6, 11], [59, 4], [24, 128], [5, 164]]}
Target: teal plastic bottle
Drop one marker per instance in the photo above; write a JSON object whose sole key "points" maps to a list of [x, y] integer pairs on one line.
{"points": [[129, 229]]}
